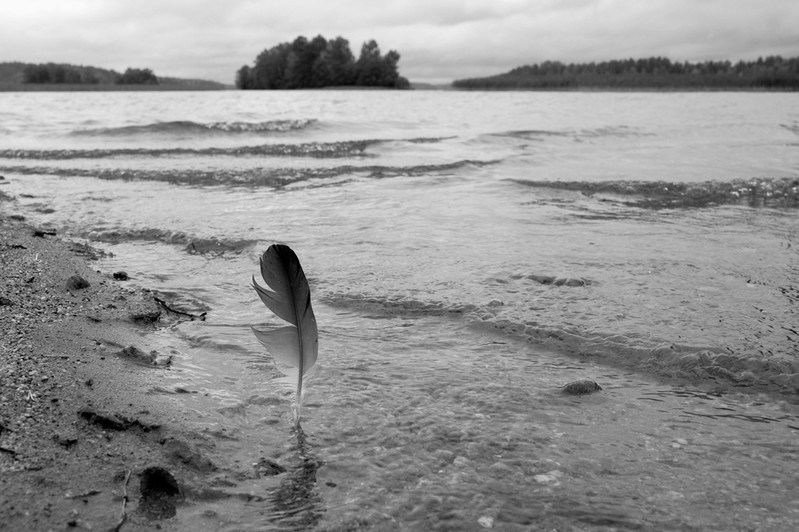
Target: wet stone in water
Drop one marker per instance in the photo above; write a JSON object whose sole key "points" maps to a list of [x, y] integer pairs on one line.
{"points": [[267, 468], [581, 387]]}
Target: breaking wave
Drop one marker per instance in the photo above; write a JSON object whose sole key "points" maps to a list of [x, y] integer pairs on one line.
{"points": [[319, 150], [192, 244], [755, 192], [189, 128], [251, 177], [576, 135], [355, 148]]}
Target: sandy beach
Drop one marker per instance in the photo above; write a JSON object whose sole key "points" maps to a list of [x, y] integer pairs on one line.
{"points": [[82, 446]]}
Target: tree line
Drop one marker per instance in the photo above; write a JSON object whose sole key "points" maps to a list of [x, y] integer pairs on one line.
{"points": [[80, 75], [304, 64], [773, 72]]}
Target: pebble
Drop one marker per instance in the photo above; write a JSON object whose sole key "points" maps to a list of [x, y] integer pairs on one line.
{"points": [[486, 521], [460, 461], [550, 478], [76, 282], [581, 387]]}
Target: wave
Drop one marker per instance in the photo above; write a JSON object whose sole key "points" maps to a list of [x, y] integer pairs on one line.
{"points": [[318, 150], [793, 127], [722, 368], [755, 192], [394, 306], [354, 148], [192, 244], [189, 128], [251, 177], [555, 280], [576, 135]]}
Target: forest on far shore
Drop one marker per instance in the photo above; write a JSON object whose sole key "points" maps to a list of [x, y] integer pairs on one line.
{"points": [[17, 76], [770, 73], [317, 63], [71, 74]]}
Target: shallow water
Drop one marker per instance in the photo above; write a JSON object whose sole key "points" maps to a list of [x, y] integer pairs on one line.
{"points": [[468, 255]]}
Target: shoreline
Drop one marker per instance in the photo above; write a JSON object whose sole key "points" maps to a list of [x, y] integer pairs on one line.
{"points": [[79, 431]]}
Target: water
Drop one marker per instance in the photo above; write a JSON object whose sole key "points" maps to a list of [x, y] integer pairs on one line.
{"points": [[468, 253]]}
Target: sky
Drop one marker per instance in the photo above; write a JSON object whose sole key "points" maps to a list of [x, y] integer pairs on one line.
{"points": [[438, 40]]}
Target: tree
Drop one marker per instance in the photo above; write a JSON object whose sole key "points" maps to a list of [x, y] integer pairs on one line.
{"points": [[269, 69], [390, 73], [335, 66], [243, 78], [137, 76], [369, 67], [36, 74]]}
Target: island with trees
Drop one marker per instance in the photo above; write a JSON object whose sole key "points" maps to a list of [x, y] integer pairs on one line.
{"points": [[770, 73], [319, 63]]}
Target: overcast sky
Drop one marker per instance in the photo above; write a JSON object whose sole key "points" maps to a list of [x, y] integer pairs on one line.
{"points": [[438, 40]]}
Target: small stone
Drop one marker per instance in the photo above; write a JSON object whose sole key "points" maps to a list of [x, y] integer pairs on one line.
{"points": [[76, 282], [152, 359], [581, 387], [486, 521], [65, 439], [268, 468], [121, 276], [550, 478], [137, 355], [444, 456], [460, 461]]}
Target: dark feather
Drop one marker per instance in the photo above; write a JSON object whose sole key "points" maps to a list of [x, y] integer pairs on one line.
{"points": [[297, 344]]}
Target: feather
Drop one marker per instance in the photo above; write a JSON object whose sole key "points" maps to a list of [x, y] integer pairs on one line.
{"points": [[297, 344]]}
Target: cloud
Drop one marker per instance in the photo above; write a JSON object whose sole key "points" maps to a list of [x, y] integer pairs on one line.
{"points": [[438, 39]]}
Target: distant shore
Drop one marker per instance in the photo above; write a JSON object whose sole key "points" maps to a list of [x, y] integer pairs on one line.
{"points": [[103, 87], [65, 87]]}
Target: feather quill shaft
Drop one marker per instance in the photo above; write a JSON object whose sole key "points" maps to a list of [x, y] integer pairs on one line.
{"points": [[297, 344]]}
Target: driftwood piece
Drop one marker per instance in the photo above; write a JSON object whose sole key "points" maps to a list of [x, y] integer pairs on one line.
{"points": [[124, 514], [192, 317]]}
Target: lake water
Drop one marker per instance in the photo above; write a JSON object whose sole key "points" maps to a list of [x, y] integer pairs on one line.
{"points": [[468, 255]]}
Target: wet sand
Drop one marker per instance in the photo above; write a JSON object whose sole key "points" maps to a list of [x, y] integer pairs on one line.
{"points": [[77, 429]]}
